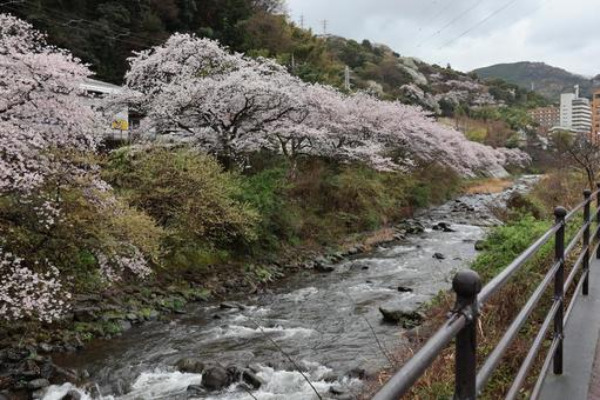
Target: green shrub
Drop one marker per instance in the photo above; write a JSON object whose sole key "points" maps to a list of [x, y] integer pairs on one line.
{"points": [[506, 242], [519, 204], [266, 192], [191, 197]]}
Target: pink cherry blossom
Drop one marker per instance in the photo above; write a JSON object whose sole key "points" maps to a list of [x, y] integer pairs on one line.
{"points": [[44, 121], [227, 104]]}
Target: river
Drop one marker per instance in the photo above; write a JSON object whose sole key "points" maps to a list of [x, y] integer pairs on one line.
{"points": [[328, 324]]}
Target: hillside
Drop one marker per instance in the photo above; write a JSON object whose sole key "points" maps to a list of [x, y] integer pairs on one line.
{"points": [[548, 80], [104, 34]]}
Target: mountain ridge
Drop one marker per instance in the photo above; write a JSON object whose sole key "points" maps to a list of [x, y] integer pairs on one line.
{"points": [[548, 80]]}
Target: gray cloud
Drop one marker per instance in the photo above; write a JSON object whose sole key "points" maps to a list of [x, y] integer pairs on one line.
{"points": [[558, 32]]}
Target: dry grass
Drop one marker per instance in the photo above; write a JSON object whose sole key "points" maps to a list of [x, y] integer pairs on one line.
{"points": [[438, 381], [488, 186]]}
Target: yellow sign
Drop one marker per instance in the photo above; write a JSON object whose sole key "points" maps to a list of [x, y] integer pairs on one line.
{"points": [[121, 124]]}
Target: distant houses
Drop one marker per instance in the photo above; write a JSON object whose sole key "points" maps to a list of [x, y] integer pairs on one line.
{"points": [[546, 118]]}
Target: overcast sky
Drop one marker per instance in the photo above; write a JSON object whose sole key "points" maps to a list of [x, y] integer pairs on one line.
{"points": [[467, 33]]}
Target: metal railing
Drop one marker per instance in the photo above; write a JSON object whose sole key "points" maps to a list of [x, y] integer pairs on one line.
{"points": [[461, 325]]}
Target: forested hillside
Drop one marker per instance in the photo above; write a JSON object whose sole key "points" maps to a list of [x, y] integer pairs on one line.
{"points": [[548, 80], [104, 33]]}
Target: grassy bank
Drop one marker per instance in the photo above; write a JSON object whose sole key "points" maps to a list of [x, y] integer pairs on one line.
{"points": [[527, 218]]}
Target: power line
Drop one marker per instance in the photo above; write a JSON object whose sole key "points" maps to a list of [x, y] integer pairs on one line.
{"points": [[437, 15], [452, 22], [477, 25]]}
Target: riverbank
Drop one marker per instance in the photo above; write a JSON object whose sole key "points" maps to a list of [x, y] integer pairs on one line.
{"points": [[210, 234], [376, 291], [525, 221], [27, 350]]}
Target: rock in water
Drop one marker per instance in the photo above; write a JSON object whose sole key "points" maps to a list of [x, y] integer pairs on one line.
{"points": [[480, 245], [231, 306], [439, 256], [337, 390], [325, 268], [215, 378], [195, 390], [322, 265], [398, 314], [190, 365], [38, 384], [251, 379], [72, 395]]}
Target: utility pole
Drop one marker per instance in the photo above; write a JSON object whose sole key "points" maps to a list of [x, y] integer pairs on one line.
{"points": [[293, 62], [325, 23], [347, 78]]}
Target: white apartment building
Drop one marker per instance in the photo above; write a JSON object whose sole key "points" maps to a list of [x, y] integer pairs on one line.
{"points": [[566, 110], [582, 115], [575, 112]]}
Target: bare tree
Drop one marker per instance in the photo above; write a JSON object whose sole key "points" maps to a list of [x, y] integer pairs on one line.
{"points": [[580, 152], [269, 6]]}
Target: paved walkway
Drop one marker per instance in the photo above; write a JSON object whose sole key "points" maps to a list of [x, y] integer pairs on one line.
{"points": [[581, 378]]}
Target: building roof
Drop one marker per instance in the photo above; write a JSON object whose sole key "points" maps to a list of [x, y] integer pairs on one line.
{"points": [[93, 85]]}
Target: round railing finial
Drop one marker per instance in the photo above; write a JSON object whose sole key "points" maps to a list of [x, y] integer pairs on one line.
{"points": [[467, 283], [560, 212], [587, 193]]}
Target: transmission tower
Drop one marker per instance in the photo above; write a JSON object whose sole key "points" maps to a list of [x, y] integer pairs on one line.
{"points": [[347, 78]]}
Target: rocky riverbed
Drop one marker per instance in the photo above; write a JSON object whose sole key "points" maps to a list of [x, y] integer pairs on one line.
{"points": [[321, 330]]}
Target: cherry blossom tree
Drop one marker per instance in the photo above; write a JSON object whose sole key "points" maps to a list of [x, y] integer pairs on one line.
{"points": [[194, 90], [47, 131], [227, 104], [40, 108]]}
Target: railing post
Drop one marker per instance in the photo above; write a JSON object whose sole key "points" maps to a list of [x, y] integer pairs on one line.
{"points": [[598, 219], [559, 280], [586, 241], [467, 285]]}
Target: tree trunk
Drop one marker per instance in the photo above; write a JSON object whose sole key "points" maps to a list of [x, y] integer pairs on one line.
{"points": [[293, 171], [591, 176]]}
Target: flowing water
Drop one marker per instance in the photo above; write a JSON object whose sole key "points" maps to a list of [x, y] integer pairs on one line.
{"points": [[328, 324]]}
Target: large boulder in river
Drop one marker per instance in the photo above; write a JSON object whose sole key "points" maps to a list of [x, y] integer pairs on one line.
{"points": [[215, 378], [400, 314]]}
